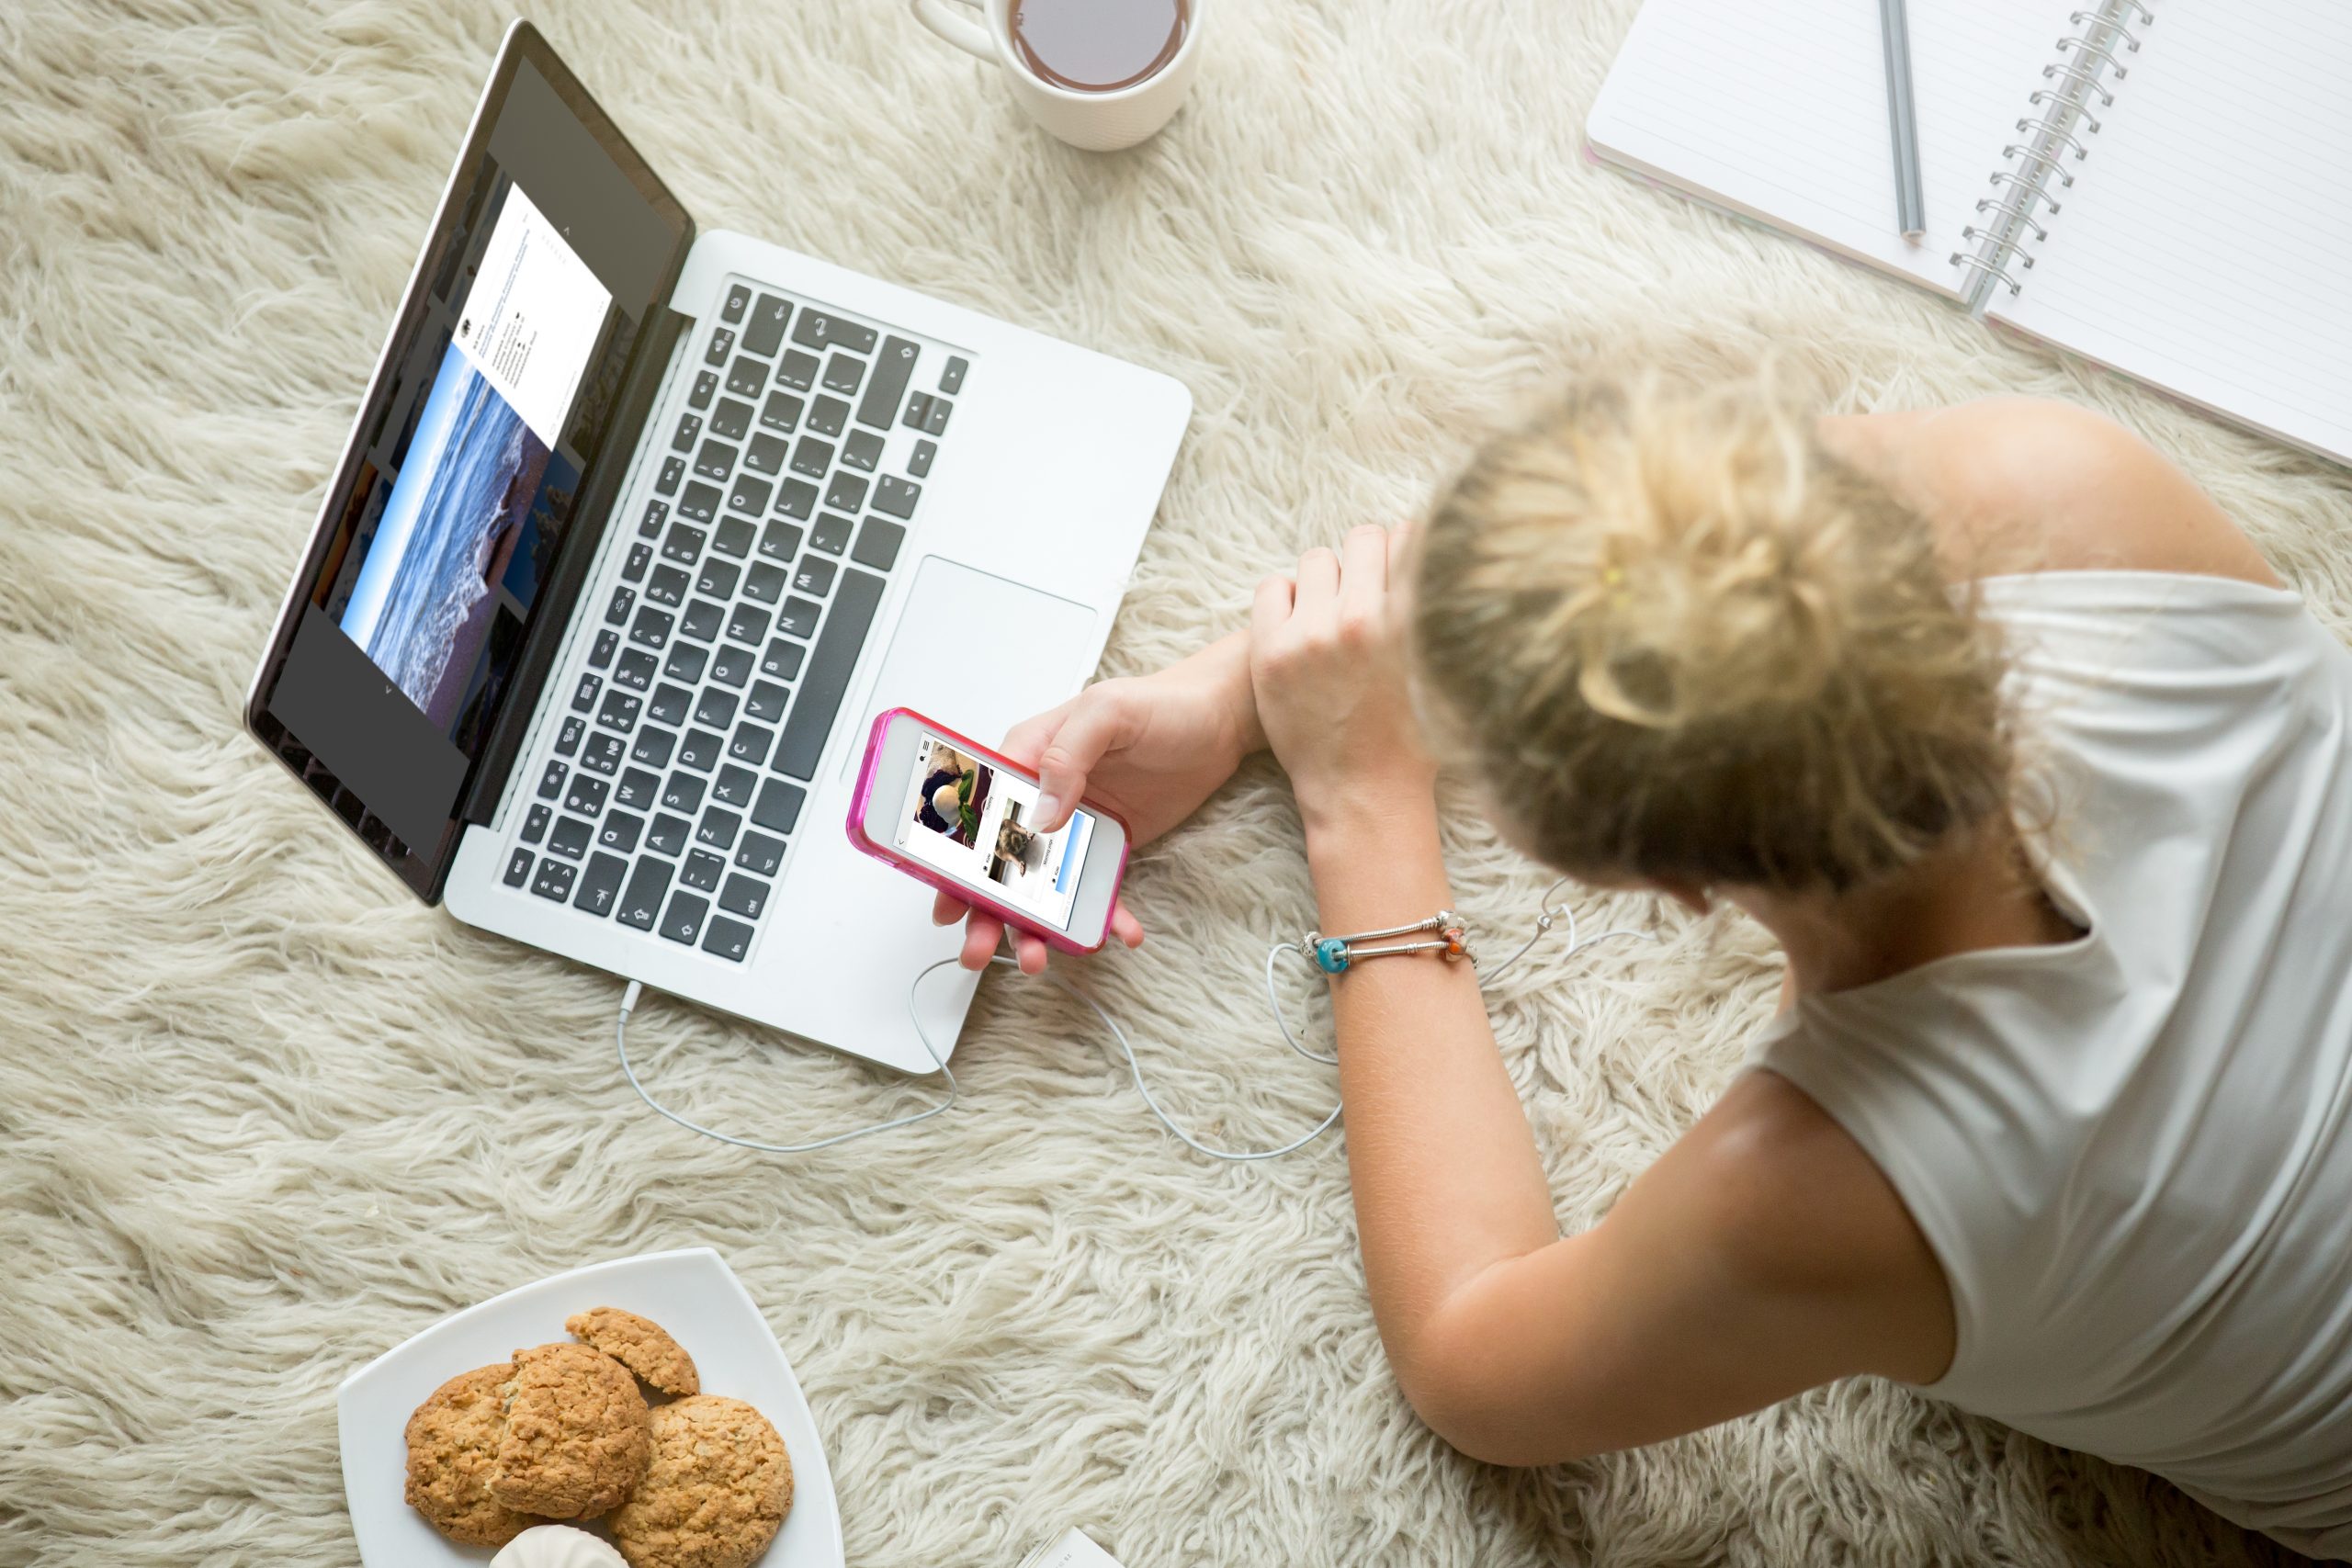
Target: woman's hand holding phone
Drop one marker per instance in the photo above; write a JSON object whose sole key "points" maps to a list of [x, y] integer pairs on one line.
{"points": [[1149, 747]]}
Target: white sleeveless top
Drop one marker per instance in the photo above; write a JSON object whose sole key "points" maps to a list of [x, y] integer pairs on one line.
{"points": [[2132, 1152]]}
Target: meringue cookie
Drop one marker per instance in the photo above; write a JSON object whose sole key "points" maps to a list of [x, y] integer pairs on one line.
{"points": [[558, 1546]]}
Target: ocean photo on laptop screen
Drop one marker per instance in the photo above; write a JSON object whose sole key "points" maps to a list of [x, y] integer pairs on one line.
{"points": [[460, 516]]}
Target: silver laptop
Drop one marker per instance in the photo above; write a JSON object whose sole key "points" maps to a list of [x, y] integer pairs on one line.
{"points": [[638, 527]]}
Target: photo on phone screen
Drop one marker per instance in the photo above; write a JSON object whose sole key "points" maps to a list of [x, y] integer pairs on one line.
{"points": [[977, 823]]}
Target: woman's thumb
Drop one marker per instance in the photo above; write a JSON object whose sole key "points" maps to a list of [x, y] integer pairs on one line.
{"points": [[1101, 719]]}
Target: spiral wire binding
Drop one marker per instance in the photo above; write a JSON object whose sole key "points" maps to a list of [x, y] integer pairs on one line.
{"points": [[2087, 63]]}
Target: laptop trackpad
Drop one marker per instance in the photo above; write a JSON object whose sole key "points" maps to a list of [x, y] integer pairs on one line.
{"points": [[976, 653]]}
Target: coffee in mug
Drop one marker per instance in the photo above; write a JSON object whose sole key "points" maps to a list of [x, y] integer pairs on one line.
{"points": [[1097, 46]]}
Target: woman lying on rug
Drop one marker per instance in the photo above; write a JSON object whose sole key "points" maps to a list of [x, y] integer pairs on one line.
{"points": [[2039, 775]]}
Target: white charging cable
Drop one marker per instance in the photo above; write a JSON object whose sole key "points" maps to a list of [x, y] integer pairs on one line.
{"points": [[1550, 915]]}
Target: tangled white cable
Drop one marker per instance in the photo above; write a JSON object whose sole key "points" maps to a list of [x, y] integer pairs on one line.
{"points": [[1548, 916]]}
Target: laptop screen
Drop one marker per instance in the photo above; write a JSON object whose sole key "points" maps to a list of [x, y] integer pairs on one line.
{"points": [[497, 399]]}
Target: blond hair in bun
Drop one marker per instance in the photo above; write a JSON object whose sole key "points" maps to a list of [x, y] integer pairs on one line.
{"points": [[1681, 638]]}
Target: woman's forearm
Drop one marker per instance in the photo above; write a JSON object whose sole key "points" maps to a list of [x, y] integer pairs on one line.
{"points": [[1444, 1169]]}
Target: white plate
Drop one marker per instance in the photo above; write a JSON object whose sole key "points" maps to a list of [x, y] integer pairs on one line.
{"points": [[692, 1293]]}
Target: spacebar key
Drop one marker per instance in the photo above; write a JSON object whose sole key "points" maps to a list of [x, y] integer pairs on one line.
{"points": [[826, 679]]}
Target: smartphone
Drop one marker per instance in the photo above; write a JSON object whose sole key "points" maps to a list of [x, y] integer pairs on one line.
{"points": [[948, 811]]}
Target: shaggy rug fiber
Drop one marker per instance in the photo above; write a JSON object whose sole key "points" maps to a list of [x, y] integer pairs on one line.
{"points": [[264, 1116]]}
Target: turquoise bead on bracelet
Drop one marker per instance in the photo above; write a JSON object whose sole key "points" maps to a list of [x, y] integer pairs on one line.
{"points": [[1335, 954]]}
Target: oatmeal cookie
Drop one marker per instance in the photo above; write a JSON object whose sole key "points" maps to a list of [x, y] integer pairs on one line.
{"points": [[714, 1496], [452, 1449], [642, 1346], [576, 1436]]}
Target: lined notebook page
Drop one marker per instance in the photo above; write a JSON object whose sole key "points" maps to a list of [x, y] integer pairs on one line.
{"points": [[2207, 244], [1777, 109]]}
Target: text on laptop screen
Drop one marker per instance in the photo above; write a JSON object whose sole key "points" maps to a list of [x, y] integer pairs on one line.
{"points": [[974, 821]]}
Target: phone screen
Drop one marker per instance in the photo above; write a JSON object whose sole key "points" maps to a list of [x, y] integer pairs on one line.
{"points": [[976, 822]]}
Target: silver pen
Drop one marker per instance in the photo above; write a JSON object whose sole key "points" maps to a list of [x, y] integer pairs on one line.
{"points": [[1910, 203]]}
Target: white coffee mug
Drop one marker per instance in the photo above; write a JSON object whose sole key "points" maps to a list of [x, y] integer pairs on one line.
{"points": [[1100, 122]]}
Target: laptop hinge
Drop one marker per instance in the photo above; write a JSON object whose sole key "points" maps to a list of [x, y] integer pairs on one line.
{"points": [[650, 364]]}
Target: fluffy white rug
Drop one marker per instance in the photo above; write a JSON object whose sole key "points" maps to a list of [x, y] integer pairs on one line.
{"points": [[263, 1115]]}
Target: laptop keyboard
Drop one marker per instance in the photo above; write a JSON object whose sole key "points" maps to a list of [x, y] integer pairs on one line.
{"points": [[727, 625]]}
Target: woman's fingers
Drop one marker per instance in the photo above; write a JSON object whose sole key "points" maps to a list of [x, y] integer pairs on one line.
{"points": [[1105, 716], [1124, 926], [1271, 607], [946, 908], [1030, 952], [1318, 581], [1363, 573], [982, 935]]}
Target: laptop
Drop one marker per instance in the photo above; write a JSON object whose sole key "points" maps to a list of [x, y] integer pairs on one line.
{"points": [[637, 529]]}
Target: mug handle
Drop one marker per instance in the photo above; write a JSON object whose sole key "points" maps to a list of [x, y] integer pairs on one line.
{"points": [[961, 32]]}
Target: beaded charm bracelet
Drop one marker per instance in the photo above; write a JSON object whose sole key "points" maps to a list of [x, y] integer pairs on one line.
{"points": [[1333, 954]]}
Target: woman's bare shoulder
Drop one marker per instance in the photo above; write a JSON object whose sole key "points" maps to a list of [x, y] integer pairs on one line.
{"points": [[2021, 485]]}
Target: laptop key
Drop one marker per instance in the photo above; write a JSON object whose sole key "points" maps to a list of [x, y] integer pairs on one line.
{"points": [[745, 896], [668, 834], [652, 627], [779, 807], [717, 579], [811, 457], [950, 380], [552, 780], [716, 460], [683, 793], [701, 621], [733, 420], [554, 880], [734, 786], [766, 702], [798, 371], [731, 665], [700, 751], [918, 410], [831, 533], [702, 869], [620, 832], [608, 643], [600, 884], [919, 464], [684, 544], [846, 494], [737, 297], [782, 412], [653, 747], [767, 454], [862, 449], [879, 407], [684, 922], [778, 542], [799, 617], [895, 496], [700, 502], [568, 741], [670, 705], [782, 660], [842, 374], [716, 710], [518, 868], [760, 854], [717, 830], [642, 901], [705, 383], [732, 538], [636, 789], [934, 422], [685, 662], [816, 330], [624, 600], [722, 343], [689, 432], [828, 416], [751, 743], [750, 494], [603, 754], [635, 669], [620, 711], [657, 513], [583, 696], [830, 663], [570, 839], [535, 825], [685, 918], [728, 939], [667, 586], [747, 623], [815, 575], [746, 376], [878, 544], [640, 558], [586, 795], [672, 470], [765, 333], [796, 499]]}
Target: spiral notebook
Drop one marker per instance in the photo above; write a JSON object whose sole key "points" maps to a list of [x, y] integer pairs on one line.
{"points": [[2165, 188]]}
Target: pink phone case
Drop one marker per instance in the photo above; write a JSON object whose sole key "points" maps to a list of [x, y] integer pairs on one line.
{"points": [[889, 854]]}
